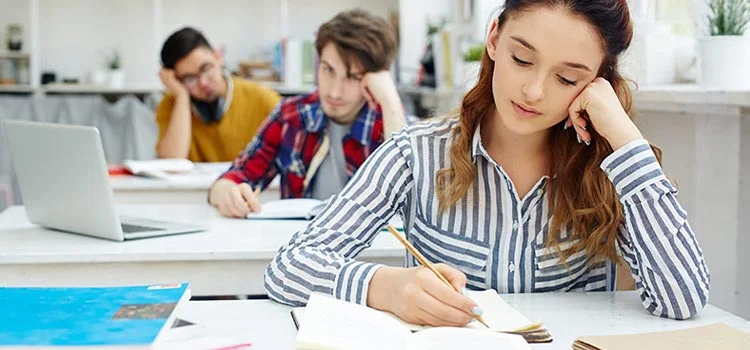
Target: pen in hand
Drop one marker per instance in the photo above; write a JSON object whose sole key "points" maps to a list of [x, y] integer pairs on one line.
{"points": [[256, 192], [428, 265]]}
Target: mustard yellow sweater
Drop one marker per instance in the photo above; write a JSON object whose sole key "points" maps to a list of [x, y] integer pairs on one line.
{"points": [[223, 141]]}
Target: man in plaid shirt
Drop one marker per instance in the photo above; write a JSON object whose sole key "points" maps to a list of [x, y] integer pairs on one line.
{"points": [[316, 142]]}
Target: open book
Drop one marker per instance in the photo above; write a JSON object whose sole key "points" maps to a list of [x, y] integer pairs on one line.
{"points": [[175, 169], [714, 336], [160, 168], [293, 208], [328, 323], [500, 316]]}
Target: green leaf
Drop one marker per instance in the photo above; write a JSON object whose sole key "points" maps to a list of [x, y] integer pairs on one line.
{"points": [[474, 53], [728, 17]]}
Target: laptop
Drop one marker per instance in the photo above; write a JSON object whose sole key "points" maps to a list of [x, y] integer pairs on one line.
{"points": [[65, 186]]}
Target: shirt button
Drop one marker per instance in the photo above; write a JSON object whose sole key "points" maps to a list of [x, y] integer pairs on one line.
{"points": [[540, 192], [515, 225], [608, 170], [512, 267]]}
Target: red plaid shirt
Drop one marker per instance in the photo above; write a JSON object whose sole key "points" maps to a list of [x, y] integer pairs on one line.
{"points": [[290, 137]]}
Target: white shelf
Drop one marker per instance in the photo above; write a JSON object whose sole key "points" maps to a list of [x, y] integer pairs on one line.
{"points": [[14, 55], [683, 94], [410, 89], [285, 89], [299, 89], [646, 96], [690, 94], [62, 88], [16, 89], [57, 88]]}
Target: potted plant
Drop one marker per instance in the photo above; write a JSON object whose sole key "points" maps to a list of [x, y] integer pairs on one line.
{"points": [[116, 74], [14, 37], [472, 59], [428, 75], [724, 54]]}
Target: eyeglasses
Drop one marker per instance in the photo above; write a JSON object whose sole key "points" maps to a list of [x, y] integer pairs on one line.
{"points": [[191, 80]]}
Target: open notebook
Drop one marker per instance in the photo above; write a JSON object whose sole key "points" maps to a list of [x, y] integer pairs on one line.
{"points": [[328, 323], [159, 168], [175, 169], [714, 336], [500, 316], [292, 208]]}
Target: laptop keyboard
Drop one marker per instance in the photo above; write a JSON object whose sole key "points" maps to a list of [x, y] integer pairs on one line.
{"points": [[128, 228]]}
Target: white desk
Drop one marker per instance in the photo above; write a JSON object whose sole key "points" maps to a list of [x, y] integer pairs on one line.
{"points": [[227, 259], [567, 315], [130, 189]]}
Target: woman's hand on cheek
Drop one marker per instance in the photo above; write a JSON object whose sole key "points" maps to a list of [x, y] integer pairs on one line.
{"points": [[597, 106]]}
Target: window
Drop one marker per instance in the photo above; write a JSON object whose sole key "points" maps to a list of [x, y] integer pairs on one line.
{"points": [[680, 14]]}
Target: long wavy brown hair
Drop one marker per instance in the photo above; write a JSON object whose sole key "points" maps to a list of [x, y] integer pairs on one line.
{"points": [[581, 197]]}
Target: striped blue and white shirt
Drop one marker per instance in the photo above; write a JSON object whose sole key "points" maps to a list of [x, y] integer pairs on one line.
{"points": [[496, 238]]}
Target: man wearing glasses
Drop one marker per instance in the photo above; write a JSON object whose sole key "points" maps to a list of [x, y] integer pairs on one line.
{"points": [[207, 115]]}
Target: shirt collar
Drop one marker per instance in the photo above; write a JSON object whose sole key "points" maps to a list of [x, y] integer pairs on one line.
{"points": [[315, 120], [477, 149], [227, 100]]}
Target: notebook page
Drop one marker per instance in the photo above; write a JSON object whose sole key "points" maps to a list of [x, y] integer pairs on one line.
{"points": [[500, 316], [331, 323], [449, 338], [294, 208], [166, 165]]}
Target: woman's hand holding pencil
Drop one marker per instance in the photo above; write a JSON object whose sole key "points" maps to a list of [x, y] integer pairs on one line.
{"points": [[426, 295]]}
